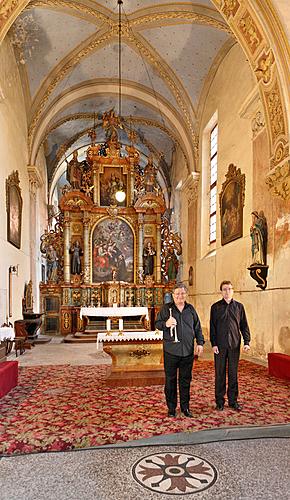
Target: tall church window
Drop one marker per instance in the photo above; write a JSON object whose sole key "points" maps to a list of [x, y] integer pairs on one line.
{"points": [[213, 183]]}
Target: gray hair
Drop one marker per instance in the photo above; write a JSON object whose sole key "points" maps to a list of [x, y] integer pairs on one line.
{"points": [[180, 285]]}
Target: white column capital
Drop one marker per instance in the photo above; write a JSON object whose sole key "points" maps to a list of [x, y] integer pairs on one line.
{"points": [[35, 180], [190, 187]]}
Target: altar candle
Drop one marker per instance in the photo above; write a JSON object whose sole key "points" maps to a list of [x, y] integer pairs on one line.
{"points": [[121, 324], [108, 323]]}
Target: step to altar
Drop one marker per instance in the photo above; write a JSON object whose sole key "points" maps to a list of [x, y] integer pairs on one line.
{"points": [[90, 336], [135, 378]]}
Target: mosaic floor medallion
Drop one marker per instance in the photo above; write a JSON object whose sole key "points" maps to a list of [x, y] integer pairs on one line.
{"points": [[174, 473]]}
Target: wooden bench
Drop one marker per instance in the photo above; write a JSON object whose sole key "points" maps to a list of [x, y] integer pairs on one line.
{"points": [[279, 365], [8, 376]]}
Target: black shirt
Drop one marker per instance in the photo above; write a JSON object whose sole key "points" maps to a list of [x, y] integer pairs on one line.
{"points": [[227, 322], [188, 328]]}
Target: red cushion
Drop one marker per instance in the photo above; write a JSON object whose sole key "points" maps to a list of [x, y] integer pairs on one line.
{"points": [[8, 376], [279, 365]]}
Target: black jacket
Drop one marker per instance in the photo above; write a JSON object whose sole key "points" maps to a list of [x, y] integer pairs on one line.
{"points": [[227, 322], [188, 328]]}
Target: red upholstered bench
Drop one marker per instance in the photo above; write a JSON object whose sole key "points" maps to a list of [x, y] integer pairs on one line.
{"points": [[279, 365], [8, 376]]}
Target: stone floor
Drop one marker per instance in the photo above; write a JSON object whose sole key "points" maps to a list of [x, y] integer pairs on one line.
{"points": [[248, 469]]}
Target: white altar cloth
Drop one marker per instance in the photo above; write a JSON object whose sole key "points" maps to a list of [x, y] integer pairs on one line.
{"points": [[131, 336], [7, 332], [114, 312]]}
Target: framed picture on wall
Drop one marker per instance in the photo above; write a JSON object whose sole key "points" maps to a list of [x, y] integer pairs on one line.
{"points": [[232, 199], [14, 209]]}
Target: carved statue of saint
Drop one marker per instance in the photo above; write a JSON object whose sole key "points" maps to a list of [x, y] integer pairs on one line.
{"points": [[171, 265], [51, 264], [148, 259], [73, 172], [149, 176], [258, 233], [76, 252]]}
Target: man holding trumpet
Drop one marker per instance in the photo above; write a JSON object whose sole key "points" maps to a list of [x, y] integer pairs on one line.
{"points": [[180, 325]]}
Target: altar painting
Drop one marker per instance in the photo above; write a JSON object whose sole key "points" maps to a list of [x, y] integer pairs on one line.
{"points": [[112, 180], [112, 251]]}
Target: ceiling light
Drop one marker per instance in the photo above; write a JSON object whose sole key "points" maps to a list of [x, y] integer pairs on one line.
{"points": [[120, 196]]}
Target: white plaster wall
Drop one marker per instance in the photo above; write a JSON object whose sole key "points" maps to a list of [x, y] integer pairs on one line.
{"points": [[268, 311], [229, 91], [179, 203], [13, 148]]}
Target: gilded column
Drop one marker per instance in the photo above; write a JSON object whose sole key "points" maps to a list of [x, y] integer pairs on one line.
{"points": [[96, 182], [141, 242], [66, 240], [86, 224], [158, 251]]}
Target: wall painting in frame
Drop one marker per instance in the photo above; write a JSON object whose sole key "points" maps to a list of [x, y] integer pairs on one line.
{"points": [[14, 209], [232, 200]]}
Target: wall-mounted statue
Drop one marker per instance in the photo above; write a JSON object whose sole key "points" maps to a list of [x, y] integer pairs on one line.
{"points": [[148, 259], [258, 233], [76, 252]]}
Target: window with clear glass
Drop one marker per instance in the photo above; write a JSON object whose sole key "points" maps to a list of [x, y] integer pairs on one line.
{"points": [[213, 183]]}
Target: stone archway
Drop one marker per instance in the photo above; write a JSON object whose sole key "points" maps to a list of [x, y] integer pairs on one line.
{"points": [[258, 30]]}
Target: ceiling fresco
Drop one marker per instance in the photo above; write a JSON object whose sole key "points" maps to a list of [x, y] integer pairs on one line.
{"points": [[68, 59]]}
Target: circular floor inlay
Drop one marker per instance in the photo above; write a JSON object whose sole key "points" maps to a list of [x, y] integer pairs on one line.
{"points": [[174, 473]]}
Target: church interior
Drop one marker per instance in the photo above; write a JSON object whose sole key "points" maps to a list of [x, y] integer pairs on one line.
{"points": [[144, 145]]}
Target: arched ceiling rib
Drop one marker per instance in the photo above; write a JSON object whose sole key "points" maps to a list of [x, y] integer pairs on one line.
{"points": [[167, 52]]}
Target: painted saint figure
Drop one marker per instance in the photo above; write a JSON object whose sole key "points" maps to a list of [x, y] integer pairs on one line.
{"points": [[148, 259], [258, 233]]}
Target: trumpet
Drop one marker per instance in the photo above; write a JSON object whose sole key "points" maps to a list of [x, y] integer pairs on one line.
{"points": [[173, 329]]}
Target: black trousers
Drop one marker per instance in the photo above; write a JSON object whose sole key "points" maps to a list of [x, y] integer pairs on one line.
{"points": [[226, 359], [182, 365]]}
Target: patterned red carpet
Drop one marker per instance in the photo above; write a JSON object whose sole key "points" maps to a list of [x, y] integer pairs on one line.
{"points": [[57, 408]]}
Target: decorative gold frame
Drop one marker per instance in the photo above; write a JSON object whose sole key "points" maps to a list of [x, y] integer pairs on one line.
{"points": [[14, 205], [129, 223], [232, 200]]}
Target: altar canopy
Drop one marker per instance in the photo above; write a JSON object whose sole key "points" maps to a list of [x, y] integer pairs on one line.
{"points": [[111, 242]]}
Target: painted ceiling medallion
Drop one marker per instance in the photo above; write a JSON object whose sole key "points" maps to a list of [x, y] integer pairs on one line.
{"points": [[174, 473]]}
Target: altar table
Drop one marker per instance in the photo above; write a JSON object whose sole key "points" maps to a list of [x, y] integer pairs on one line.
{"points": [[125, 337], [114, 312], [6, 332], [133, 351]]}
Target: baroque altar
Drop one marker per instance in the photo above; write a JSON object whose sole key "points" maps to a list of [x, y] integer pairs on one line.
{"points": [[111, 243]]}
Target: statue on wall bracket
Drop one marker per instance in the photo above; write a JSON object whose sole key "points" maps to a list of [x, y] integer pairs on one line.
{"points": [[259, 236]]}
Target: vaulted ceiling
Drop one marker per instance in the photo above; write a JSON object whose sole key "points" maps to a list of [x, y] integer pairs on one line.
{"points": [[68, 58]]}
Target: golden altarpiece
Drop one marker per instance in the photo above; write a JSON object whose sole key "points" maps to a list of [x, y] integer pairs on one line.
{"points": [[101, 251]]}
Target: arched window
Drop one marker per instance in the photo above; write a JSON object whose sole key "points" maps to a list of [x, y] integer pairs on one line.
{"points": [[213, 183]]}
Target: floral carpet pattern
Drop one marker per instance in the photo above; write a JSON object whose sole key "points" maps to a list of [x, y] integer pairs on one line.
{"points": [[58, 408]]}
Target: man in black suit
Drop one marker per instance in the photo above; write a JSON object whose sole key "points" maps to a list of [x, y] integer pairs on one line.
{"points": [[178, 349], [227, 322]]}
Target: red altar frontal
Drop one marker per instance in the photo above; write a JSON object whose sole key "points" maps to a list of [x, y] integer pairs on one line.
{"points": [[110, 243]]}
